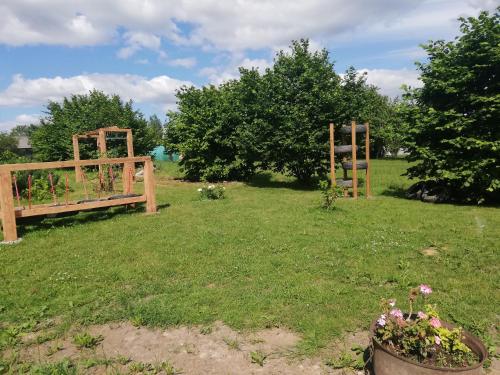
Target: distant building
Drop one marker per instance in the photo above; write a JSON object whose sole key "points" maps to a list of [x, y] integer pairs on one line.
{"points": [[24, 145]]}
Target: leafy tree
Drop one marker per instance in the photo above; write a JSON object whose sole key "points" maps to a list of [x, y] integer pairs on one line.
{"points": [[212, 129], [81, 113], [456, 136], [8, 143], [155, 127], [302, 92]]}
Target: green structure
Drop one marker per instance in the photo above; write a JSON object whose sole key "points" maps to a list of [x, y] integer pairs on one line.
{"points": [[161, 153]]}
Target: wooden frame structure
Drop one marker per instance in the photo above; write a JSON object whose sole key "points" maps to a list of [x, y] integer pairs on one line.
{"points": [[9, 213], [354, 164], [100, 136]]}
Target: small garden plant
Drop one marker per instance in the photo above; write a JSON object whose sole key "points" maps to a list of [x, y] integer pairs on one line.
{"points": [[212, 192], [329, 195], [421, 336]]}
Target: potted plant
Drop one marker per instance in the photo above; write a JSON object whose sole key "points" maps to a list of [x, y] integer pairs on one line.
{"points": [[421, 344]]}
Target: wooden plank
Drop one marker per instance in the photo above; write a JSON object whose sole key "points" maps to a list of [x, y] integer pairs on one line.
{"points": [[51, 209], [149, 187], [71, 163], [367, 146], [354, 166], [332, 155], [76, 157], [129, 168], [7, 207]]}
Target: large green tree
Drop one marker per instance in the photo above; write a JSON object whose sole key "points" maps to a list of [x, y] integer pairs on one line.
{"points": [[213, 129], [302, 92], [456, 131], [81, 113]]}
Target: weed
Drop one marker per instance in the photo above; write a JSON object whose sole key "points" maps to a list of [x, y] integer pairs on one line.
{"points": [[258, 357], [86, 340], [64, 367], [206, 330], [54, 348], [232, 343], [137, 321]]}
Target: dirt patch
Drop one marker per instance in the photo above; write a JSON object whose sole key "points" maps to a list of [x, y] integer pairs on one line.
{"points": [[430, 251], [217, 349]]}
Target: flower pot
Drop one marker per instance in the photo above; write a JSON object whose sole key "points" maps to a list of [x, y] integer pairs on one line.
{"points": [[387, 362]]}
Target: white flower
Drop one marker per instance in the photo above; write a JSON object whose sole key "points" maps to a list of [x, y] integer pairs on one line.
{"points": [[211, 187], [200, 190]]}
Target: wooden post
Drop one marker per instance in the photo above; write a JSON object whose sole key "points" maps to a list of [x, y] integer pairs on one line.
{"points": [[129, 168], [354, 162], [367, 150], [7, 206], [332, 155], [149, 187], [101, 145], [76, 157]]}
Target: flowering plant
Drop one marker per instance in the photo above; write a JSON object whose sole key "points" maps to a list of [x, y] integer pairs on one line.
{"points": [[212, 192], [421, 336]]}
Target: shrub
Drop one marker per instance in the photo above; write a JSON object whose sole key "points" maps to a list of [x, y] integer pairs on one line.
{"points": [[329, 195], [212, 192], [455, 137]]}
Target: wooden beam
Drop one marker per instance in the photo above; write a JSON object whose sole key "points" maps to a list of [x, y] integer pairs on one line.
{"points": [[129, 168], [354, 162], [332, 155], [367, 150], [76, 157], [149, 187], [7, 207], [44, 209], [71, 163]]}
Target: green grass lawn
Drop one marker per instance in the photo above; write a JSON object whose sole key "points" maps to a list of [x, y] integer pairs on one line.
{"points": [[267, 255]]}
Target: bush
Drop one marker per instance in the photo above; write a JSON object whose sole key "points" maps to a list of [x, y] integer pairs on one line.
{"points": [[212, 192], [329, 195], [212, 130], [455, 137]]}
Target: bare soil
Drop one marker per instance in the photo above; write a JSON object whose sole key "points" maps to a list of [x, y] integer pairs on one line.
{"points": [[195, 350]]}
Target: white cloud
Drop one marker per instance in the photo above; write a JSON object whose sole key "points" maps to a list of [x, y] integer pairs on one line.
{"points": [[135, 41], [159, 90], [389, 81], [222, 73], [224, 24], [23, 119], [187, 62]]}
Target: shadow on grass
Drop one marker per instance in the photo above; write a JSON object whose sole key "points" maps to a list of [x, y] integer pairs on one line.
{"points": [[395, 191], [71, 219], [268, 180]]}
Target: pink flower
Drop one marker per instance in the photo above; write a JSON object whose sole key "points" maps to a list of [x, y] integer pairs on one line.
{"points": [[422, 315], [437, 339], [392, 302], [382, 320], [425, 289], [396, 313], [434, 322]]}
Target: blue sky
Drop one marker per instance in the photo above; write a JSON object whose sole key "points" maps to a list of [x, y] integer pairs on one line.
{"points": [[145, 49]]}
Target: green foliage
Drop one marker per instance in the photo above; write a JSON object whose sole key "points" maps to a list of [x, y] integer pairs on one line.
{"points": [[301, 92], [8, 143], [155, 127], [64, 367], [347, 360], [52, 140], [86, 340], [212, 192], [329, 195], [277, 120], [258, 357], [455, 137], [212, 129]]}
